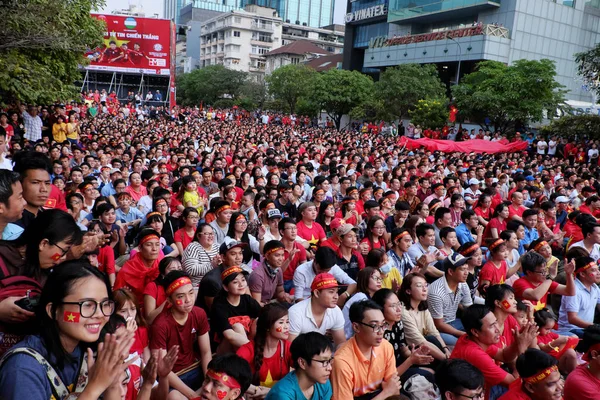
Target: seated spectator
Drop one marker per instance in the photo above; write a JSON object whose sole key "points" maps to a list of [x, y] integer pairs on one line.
{"points": [[543, 248], [365, 364], [577, 312], [540, 378], [530, 220], [369, 281], [497, 224], [266, 280], [473, 252], [479, 346], [501, 300], [202, 255], [186, 326], [584, 382], [324, 262], [238, 230], [535, 286], [419, 327], [274, 359], [106, 255], [308, 228], [390, 276], [425, 246], [446, 295], [470, 224], [233, 311], [185, 235], [294, 251], [319, 312], [496, 270], [398, 254], [154, 292], [374, 235], [558, 346], [311, 354], [228, 378], [458, 378], [591, 240], [449, 241], [348, 258], [222, 212]]}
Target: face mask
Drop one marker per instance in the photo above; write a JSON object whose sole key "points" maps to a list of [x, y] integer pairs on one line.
{"points": [[386, 268]]}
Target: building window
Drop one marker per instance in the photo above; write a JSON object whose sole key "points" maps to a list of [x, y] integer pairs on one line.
{"points": [[295, 60], [238, 20], [236, 33]]}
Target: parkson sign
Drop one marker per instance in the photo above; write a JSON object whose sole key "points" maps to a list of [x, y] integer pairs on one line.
{"points": [[384, 41]]}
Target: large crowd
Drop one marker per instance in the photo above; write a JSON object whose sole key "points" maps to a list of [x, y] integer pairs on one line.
{"points": [[220, 254]]}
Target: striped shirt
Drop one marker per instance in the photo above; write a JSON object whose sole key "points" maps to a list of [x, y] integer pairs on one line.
{"points": [[33, 127], [196, 261], [443, 302]]}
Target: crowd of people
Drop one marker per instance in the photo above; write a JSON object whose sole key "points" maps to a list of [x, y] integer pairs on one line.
{"points": [[224, 254]]}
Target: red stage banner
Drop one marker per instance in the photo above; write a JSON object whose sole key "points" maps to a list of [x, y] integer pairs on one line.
{"points": [[133, 45], [468, 146]]}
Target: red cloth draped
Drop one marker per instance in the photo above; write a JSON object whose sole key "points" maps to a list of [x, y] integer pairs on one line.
{"points": [[469, 146], [135, 276]]}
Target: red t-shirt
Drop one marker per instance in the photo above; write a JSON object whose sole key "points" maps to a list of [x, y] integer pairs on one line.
{"points": [[380, 244], [487, 215], [329, 243], [523, 284], [494, 275], [467, 349], [298, 259], [182, 237], [157, 292], [494, 223], [581, 385], [273, 368], [106, 260], [519, 211], [141, 341], [166, 333], [515, 393], [507, 337], [313, 235]]}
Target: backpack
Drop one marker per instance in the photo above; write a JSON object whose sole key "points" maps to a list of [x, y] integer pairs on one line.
{"points": [[15, 286], [417, 387], [59, 390]]}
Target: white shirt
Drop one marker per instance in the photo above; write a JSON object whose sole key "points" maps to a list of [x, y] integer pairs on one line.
{"points": [[305, 274], [6, 164], [541, 147], [302, 320], [552, 147], [595, 253]]}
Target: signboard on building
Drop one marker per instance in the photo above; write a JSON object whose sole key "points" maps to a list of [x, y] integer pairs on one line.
{"points": [[384, 41], [366, 13], [133, 45]]}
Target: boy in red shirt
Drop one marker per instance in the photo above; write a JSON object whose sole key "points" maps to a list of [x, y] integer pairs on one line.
{"points": [[540, 378], [183, 325], [535, 286], [308, 228]]}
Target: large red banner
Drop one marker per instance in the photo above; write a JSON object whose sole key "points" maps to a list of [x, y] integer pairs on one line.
{"points": [[134, 45], [468, 146]]}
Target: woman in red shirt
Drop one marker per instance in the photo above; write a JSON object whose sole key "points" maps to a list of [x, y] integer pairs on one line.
{"points": [[154, 293], [374, 235], [184, 236], [498, 223], [483, 209]]}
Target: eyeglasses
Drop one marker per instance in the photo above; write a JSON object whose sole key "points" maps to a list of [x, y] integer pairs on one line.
{"points": [[87, 308], [397, 306], [244, 222], [207, 234], [324, 363], [377, 328], [61, 249], [377, 278], [421, 285], [543, 272], [478, 396]]}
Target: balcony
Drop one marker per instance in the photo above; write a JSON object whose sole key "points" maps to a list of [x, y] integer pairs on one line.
{"points": [[427, 11], [262, 27]]}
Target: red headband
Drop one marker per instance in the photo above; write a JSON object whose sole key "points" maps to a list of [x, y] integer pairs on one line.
{"points": [[230, 271], [496, 243], [470, 249], [400, 236], [153, 213], [540, 245], [542, 375], [586, 266], [177, 284], [240, 217], [223, 208], [160, 201], [225, 379], [273, 250], [148, 238]]}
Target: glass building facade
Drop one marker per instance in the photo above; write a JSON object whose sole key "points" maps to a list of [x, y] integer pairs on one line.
{"points": [[315, 13], [405, 9]]}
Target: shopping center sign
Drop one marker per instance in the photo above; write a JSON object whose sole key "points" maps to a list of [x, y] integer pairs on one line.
{"points": [[366, 13], [383, 41]]}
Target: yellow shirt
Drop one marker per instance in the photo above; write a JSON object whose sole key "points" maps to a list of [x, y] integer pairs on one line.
{"points": [[194, 198], [393, 275], [59, 132]]}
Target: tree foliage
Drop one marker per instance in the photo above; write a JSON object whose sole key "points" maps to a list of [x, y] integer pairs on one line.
{"points": [[401, 87], [589, 67], [430, 114], [42, 45], [339, 91], [508, 96], [290, 83], [209, 84], [574, 126]]}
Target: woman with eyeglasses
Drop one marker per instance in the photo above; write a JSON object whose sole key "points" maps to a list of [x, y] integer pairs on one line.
{"points": [[368, 282], [408, 359], [184, 236], [202, 255], [238, 230], [374, 236], [418, 323], [74, 306], [75, 206]]}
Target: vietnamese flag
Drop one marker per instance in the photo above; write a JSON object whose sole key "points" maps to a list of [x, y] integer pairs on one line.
{"points": [[71, 316]]}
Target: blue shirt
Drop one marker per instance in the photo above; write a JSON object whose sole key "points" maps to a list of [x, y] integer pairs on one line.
{"points": [[12, 232], [288, 389], [530, 236], [463, 234], [583, 303], [23, 377], [108, 190], [131, 215]]}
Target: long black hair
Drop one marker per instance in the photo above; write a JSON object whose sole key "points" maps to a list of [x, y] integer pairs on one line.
{"points": [[270, 314], [59, 285]]}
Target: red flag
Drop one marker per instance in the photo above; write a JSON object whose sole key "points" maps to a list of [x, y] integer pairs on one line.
{"points": [[453, 112], [71, 316]]}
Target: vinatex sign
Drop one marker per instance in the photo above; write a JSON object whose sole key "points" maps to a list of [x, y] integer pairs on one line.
{"points": [[365, 13]]}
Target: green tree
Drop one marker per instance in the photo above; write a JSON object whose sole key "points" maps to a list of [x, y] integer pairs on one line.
{"points": [[589, 67], [210, 84], [253, 95], [430, 114], [401, 87], [509, 96], [290, 83], [42, 45], [574, 126], [338, 92]]}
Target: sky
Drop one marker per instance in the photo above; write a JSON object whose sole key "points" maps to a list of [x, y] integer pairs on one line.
{"points": [[156, 6]]}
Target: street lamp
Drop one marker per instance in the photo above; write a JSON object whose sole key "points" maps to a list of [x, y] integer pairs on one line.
{"points": [[459, 58]]}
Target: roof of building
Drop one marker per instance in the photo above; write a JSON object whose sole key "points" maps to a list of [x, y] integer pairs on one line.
{"points": [[299, 47], [325, 63]]}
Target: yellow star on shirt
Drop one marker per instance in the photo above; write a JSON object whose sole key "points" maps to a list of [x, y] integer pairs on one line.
{"points": [[269, 382]]}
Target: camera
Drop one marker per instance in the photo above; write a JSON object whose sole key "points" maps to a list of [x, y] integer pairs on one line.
{"points": [[28, 303]]}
